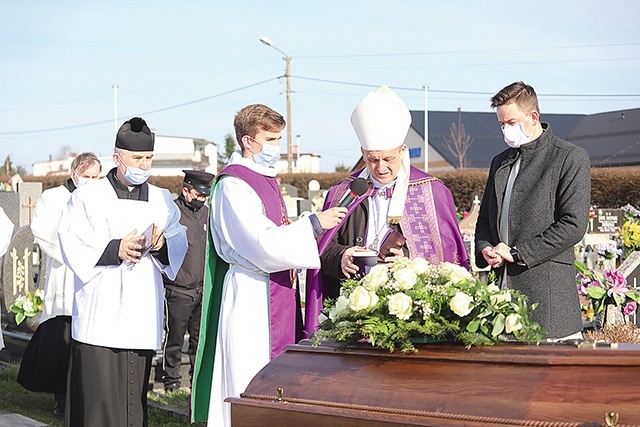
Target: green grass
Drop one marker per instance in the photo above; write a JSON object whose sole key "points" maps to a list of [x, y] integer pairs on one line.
{"points": [[39, 406]]}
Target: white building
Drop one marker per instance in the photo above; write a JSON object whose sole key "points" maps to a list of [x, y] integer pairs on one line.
{"points": [[170, 156], [301, 163]]}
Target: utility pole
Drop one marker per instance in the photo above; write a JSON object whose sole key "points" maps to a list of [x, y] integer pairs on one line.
{"points": [[426, 128], [287, 75]]}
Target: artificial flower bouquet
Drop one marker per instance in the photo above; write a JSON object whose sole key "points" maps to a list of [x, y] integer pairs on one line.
{"points": [[27, 305], [397, 304], [604, 288]]}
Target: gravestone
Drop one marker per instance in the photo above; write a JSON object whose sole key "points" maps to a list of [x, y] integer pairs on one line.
{"points": [[603, 227], [21, 266], [20, 205], [468, 230], [630, 269], [288, 190], [606, 221]]}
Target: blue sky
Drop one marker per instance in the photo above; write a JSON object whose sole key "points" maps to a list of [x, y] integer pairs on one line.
{"points": [[187, 67]]}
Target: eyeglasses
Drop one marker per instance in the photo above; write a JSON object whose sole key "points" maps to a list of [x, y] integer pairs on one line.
{"points": [[198, 196]]}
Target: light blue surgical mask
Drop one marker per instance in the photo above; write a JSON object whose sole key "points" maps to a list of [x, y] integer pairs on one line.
{"points": [[136, 176], [82, 181], [269, 155]]}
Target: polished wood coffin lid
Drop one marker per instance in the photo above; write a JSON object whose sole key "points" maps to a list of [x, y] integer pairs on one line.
{"points": [[559, 385]]}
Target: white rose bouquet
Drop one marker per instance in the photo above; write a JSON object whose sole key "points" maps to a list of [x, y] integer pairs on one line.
{"points": [[395, 305]]}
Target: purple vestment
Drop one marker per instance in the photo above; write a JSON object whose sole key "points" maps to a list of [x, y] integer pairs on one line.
{"points": [[285, 322], [429, 223]]}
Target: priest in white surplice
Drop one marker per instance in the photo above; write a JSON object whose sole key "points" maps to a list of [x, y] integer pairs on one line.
{"points": [[45, 360], [118, 302], [251, 312], [6, 231]]}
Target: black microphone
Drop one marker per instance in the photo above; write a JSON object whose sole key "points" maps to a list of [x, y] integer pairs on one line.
{"points": [[358, 187]]}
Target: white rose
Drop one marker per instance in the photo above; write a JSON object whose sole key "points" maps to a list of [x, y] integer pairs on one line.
{"points": [[362, 299], [400, 305], [512, 323], [493, 289], [420, 265], [405, 278], [455, 273], [461, 304], [376, 278], [340, 309], [498, 298]]}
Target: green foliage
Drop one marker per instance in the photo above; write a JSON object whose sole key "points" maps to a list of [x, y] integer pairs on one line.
{"points": [[393, 305]]}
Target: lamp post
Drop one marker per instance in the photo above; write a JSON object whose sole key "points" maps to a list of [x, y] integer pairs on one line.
{"points": [[115, 108], [287, 75]]}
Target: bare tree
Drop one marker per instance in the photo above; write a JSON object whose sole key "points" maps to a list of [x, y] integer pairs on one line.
{"points": [[64, 152], [459, 142]]}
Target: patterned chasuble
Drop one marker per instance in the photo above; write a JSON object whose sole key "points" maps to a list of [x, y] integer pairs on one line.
{"points": [[284, 307], [423, 239]]}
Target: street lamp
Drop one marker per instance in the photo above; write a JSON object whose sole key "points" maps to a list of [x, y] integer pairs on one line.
{"points": [[287, 74]]}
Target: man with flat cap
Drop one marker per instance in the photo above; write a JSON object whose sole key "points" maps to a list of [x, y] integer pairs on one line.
{"points": [[183, 294], [119, 236], [400, 199]]}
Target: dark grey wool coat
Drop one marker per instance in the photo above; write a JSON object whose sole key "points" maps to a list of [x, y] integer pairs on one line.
{"points": [[548, 215]]}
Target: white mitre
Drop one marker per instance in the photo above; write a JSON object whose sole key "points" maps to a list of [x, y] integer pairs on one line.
{"points": [[381, 120]]}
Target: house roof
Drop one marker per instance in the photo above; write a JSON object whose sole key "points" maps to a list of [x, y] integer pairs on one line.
{"points": [[611, 138]]}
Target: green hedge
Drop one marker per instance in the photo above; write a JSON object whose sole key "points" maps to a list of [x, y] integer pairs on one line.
{"points": [[610, 187]]}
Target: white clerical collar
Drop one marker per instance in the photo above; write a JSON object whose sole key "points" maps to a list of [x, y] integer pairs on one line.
{"points": [[378, 185]]}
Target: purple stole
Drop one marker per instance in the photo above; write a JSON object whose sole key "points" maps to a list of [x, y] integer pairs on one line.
{"points": [[285, 318], [428, 222]]}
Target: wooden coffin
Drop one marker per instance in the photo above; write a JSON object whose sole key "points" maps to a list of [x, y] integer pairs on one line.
{"points": [[557, 385]]}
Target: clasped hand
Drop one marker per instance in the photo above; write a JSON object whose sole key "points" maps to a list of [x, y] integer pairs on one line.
{"points": [[497, 255]]}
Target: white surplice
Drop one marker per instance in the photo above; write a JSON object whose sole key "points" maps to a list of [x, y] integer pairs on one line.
{"points": [[59, 286], [254, 246], [118, 306], [6, 231]]}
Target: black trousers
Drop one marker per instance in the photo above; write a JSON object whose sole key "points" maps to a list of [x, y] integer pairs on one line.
{"points": [[182, 314]]}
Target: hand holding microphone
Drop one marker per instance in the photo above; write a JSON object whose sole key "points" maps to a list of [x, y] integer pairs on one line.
{"points": [[333, 216]]}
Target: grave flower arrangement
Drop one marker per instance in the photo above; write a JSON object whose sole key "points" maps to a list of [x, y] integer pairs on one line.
{"points": [[604, 288], [396, 305], [630, 231], [27, 305]]}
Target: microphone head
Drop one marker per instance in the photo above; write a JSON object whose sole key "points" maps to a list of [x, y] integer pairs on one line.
{"points": [[359, 186]]}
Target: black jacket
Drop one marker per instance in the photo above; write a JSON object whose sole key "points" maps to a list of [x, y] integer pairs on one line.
{"points": [[190, 277]]}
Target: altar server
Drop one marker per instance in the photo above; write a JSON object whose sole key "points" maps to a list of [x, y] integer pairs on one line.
{"points": [[119, 236], [6, 231], [44, 363], [251, 304]]}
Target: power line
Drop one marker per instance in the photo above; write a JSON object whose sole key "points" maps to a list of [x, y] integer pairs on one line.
{"points": [[459, 92], [139, 114], [452, 52]]}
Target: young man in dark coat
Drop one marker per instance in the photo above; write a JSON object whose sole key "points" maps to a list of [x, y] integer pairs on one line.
{"points": [[534, 209], [183, 295]]}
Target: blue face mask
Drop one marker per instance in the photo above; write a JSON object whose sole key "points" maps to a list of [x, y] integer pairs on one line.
{"points": [[136, 176], [269, 155]]}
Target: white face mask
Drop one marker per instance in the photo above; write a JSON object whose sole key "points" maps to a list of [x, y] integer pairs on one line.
{"points": [[82, 181], [515, 135], [268, 156]]}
